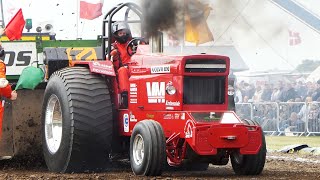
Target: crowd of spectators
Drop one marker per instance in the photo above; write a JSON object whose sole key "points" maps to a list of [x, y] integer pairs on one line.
{"points": [[277, 92], [295, 103]]}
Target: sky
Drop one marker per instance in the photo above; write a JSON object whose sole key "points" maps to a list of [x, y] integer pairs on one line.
{"points": [[257, 28]]}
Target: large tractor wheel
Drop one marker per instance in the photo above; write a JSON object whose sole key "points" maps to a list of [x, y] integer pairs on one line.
{"points": [[147, 148], [77, 121], [250, 164]]}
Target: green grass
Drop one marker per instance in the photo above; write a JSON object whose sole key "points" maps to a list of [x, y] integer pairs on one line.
{"points": [[278, 142]]}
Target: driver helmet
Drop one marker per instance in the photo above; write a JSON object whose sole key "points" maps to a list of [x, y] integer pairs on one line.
{"points": [[121, 32]]}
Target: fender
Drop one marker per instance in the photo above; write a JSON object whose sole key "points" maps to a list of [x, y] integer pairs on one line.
{"points": [[58, 58], [98, 67]]}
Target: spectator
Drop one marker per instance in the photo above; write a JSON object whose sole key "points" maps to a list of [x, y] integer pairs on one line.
{"points": [[305, 108], [295, 123], [266, 94], [257, 95], [276, 93], [288, 93], [316, 93], [313, 118]]}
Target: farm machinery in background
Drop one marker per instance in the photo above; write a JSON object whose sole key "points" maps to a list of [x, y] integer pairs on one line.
{"points": [[176, 112]]}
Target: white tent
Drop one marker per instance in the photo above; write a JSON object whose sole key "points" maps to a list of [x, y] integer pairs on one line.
{"points": [[314, 76]]}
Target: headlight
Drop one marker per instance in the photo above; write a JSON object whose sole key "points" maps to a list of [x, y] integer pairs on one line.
{"points": [[170, 89]]}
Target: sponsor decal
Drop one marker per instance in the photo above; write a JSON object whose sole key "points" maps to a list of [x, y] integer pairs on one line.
{"points": [[183, 116], [188, 129], [105, 67], [17, 56], [173, 103], [176, 116], [133, 101], [168, 116], [169, 108], [126, 122], [160, 69], [132, 118], [133, 89], [151, 116], [156, 92], [133, 93]]}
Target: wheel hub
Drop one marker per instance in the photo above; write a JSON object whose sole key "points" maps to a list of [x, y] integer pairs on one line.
{"points": [[138, 149], [53, 124]]}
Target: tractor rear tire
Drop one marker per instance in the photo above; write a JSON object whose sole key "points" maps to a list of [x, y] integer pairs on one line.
{"points": [[147, 148], [86, 120], [250, 164]]}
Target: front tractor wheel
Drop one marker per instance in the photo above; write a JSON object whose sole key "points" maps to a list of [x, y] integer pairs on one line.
{"points": [[77, 121], [147, 148], [250, 164]]}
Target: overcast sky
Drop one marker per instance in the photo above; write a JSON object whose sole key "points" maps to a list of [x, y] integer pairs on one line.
{"points": [[257, 28]]}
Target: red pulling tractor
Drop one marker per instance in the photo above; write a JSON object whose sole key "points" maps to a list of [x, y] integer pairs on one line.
{"points": [[176, 112]]}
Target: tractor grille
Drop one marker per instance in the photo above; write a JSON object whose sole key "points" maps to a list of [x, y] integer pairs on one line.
{"points": [[205, 65], [204, 90]]}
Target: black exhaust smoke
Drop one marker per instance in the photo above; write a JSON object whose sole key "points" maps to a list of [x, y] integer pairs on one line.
{"points": [[160, 15]]}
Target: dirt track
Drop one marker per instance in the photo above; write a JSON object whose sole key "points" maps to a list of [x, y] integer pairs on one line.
{"points": [[287, 167]]}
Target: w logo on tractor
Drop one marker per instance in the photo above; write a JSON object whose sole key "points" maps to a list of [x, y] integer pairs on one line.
{"points": [[156, 92]]}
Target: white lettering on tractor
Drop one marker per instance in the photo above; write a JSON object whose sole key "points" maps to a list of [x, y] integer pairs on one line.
{"points": [[95, 63], [160, 69], [172, 103], [133, 93], [156, 92]]}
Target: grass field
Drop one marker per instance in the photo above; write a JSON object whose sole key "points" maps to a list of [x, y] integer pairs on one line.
{"points": [[278, 142]]}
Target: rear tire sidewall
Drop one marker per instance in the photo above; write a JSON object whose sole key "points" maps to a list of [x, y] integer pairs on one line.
{"points": [[59, 159]]}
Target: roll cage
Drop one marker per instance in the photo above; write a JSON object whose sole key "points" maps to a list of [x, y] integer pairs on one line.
{"points": [[108, 21]]}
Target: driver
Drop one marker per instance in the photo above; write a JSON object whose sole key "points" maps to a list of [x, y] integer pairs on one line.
{"points": [[122, 36], [121, 58]]}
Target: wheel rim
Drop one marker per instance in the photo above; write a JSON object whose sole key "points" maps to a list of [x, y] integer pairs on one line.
{"points": [[53, 124], [138, 149]]}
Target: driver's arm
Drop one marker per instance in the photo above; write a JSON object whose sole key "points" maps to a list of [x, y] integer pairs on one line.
{"points": [[114, 54]]}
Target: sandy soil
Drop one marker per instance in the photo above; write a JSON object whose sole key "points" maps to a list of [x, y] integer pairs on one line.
{"points": [[278, 166]]}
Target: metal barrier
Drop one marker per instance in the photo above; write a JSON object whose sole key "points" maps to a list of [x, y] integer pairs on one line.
{"points": [[313, 119], [283, 118], [292, 119]]}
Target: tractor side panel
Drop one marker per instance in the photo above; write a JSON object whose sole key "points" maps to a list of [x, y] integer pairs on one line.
{"points": [[22, 124]]}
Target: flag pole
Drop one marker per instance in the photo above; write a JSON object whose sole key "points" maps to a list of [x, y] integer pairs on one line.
{"points": [[78, 17]]}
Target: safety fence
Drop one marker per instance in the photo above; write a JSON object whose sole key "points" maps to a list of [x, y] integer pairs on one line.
{"points": [[283, 118]]}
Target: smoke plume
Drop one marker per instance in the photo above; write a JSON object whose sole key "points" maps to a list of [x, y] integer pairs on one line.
{"points": [[160, 15]]}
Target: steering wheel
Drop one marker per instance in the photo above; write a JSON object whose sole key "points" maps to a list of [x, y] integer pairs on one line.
{"points": [[133, 45]]}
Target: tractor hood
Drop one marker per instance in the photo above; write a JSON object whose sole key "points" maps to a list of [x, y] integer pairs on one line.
{"points": [[200, 64]]}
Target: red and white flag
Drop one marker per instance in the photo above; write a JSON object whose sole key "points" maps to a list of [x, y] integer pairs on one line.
{"points": [[15, 27], [294, 38], [90, 9]]}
